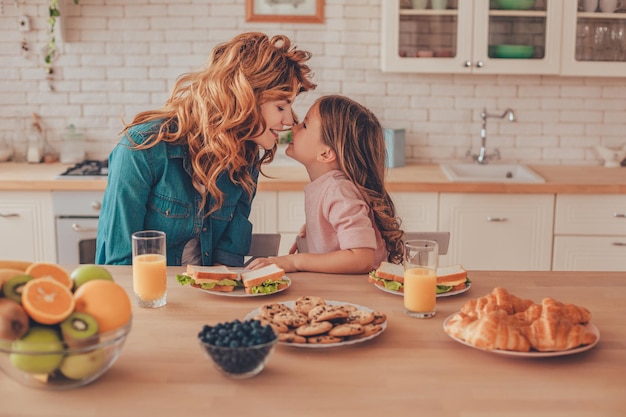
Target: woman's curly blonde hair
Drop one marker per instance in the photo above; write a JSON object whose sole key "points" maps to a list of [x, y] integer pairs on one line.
{"points": [[356, 135], [217, 110]]}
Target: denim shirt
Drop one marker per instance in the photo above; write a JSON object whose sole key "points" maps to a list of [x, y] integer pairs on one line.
{"points": [[151, 189]]}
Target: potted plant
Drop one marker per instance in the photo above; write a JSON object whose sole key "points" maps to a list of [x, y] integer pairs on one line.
{"points": [[54, 13]]}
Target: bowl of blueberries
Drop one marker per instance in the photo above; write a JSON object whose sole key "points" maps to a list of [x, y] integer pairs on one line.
{"points": [[239, 349]]}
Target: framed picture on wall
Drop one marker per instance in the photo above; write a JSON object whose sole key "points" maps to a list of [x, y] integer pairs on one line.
{"points": [[285, 11]]}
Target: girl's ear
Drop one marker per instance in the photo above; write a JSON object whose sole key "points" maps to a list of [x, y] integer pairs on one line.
{"points": [[328, 155]]}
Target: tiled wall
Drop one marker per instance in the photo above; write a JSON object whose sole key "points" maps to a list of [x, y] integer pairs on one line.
{"points": [[120, 57]]}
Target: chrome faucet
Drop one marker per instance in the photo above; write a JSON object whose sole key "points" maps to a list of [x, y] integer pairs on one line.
{"points": [[483, 157]]}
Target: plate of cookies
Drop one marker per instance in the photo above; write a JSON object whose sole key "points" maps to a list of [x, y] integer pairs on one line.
{"points": [[313, 322]]}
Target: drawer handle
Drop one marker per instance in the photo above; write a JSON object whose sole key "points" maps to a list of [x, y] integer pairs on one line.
{"points": [[9, 215], [496, 219], [78, 228], [619, 243], [620, 215]]}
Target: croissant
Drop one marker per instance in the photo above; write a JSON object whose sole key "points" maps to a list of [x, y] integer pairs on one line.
{"points": [[493, 330], [499, 298], [571, 312], [562, 334]]}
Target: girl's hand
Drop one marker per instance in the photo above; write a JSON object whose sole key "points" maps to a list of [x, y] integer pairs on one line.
{"points": [[283, 262]]}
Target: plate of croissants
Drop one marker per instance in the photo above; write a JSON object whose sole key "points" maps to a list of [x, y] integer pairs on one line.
{"points": [[505, 324]]}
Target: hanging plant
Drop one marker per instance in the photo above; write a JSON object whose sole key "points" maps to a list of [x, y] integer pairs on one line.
{"points": [[54, 13]]}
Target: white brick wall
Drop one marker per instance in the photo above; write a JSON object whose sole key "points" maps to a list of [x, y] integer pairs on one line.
{"points": [[121, 57]]}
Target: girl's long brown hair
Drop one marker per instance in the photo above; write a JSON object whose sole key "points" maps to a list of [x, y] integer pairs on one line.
{"points": [[356, 135], [217, 110]]}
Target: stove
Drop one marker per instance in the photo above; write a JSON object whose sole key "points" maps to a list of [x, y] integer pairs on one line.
{"points": [[89, 169]]}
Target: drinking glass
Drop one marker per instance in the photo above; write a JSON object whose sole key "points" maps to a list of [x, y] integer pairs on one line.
{"points": [[420, 278], [149, 268]]}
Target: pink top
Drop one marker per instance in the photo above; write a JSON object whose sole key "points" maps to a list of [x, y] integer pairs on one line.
{"points": [[338, 218]]}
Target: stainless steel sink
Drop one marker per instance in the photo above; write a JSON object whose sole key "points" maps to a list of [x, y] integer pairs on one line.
{"points": [[504, 173]]}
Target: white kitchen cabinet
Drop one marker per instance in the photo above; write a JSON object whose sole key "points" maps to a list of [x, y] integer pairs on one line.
{"points": [[468, 37], [594, 43], [263, 214], [291, 218], [590, 233], [498, 231], [417, 211], [27, 226]]}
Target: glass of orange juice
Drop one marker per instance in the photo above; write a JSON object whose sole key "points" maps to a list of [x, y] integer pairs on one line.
{"points": [[420, 278], [149, 272]]}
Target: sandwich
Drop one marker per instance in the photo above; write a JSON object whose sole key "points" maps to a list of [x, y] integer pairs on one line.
{"points": [[391, 276], [214, 278], [266, 280], [451, 278]]}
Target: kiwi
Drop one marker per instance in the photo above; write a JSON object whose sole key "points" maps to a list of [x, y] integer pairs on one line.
{"points": [[12, 289], [78, 328]]}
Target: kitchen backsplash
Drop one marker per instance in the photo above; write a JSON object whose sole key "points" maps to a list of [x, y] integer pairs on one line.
{"points": [[118, 58]]}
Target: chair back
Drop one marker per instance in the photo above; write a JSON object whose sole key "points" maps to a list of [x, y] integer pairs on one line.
{"points": [[264, 245], [442, 239]]}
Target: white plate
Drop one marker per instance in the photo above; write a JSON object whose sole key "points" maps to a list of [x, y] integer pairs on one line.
{"points": [[240, 292], [533, 353], [445, 294], [291, 304]]}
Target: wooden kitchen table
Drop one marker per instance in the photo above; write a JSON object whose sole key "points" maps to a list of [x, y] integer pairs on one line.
{"points": [[413, 368]]}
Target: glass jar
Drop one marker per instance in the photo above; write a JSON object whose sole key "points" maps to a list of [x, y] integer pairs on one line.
{"points": [[72, 147]]}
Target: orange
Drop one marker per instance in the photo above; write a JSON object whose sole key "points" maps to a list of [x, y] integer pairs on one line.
{"points": [[45, 269], [106, 301], [47, 301]]}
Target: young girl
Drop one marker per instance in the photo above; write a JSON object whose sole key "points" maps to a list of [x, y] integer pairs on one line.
{"points": [[351, 224], [190, 168]]}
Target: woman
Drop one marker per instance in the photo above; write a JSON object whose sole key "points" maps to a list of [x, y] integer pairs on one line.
{"points": [[190, 168], [351, 223]]}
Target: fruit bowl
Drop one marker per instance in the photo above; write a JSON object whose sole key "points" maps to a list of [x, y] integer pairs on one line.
{"points": [[238, 349], [53, 365]]}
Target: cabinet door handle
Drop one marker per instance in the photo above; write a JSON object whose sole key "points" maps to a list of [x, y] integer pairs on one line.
{"points": [[9, 214], [467, 64], [78, 228], [480, 64], [619, 243], [496, 219], [619, 215]]}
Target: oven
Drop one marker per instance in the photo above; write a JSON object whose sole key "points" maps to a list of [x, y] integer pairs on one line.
{"points": [[76, 215]]}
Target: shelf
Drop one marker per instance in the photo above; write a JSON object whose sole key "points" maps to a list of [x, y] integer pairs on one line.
{"points": [[518, 13], [427, 12], [599, 15]]}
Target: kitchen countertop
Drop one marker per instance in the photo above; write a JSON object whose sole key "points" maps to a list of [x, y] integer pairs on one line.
{"points": [[413, 368], [410, 178]]}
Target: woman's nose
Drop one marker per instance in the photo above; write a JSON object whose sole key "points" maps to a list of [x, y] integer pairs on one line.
{"points": [[288, 119]]}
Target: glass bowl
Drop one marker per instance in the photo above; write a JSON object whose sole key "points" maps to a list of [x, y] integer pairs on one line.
{"points": [[75, 366], [239, 362]]}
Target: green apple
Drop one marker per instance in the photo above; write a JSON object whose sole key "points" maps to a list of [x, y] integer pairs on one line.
{"points": [[38, 339], [82, 365], [88, 272]]}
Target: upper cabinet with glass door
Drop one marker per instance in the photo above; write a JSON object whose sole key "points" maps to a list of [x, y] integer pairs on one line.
{"points": [[594, 38], [472, 36]]}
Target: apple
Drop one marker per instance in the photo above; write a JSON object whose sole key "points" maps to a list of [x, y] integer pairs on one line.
{"points": [[82, 365], [38, 339], [88, 272]]}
